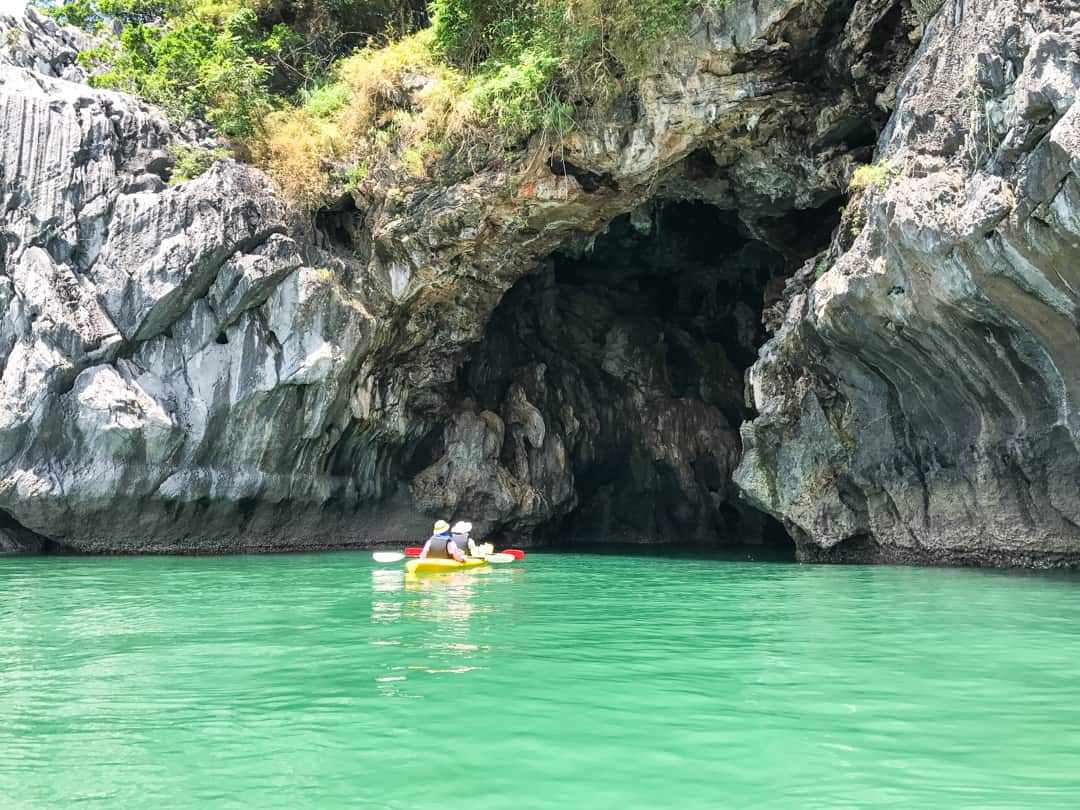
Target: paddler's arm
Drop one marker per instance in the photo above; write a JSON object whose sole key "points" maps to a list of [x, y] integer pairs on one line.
{"points": [[424, 550], [455, 552]]}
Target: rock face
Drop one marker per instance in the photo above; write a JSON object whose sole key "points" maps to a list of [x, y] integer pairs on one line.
{"points": [[919, 401], [184, 368], [168, 356], [556, 349]]}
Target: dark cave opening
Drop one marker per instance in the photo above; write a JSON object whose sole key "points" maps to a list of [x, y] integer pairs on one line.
{"points": [[338, 229], [619, 375], [14, 537]]}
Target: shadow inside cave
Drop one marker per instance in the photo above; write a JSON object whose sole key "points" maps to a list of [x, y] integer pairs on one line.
{"points": [[632, 348]]}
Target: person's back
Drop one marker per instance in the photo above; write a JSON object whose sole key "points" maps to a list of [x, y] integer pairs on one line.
{"points": [[438, 545], [460, 536], [441, 544]]}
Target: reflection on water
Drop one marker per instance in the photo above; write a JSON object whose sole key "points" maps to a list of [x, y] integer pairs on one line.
{"points": [[321, 681], [445, 602], [384, 607]]}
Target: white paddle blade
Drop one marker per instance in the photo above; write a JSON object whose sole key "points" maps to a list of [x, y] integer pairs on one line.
{"points": [[499, 558], [388, 556]]}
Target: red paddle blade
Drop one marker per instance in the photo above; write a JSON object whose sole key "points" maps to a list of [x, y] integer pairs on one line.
{"points": [[516, 552], [413, 551]]}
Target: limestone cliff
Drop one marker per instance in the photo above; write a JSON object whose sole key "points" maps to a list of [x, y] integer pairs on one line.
{"points": [[556, 348], [919, 401]]}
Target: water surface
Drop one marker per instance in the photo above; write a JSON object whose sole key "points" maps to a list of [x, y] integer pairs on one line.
{"points": [[566, 681]]}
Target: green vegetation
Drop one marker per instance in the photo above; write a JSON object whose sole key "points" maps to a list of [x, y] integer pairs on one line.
{"points": [[226, 61], [482, 79], [822, 267], [529, 59], [353, 176], [856, 219], [285, 82], [193, 161], [195, 69], [872, 175], [325, 99]]}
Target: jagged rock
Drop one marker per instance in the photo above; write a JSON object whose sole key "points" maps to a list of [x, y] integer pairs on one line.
{"points": [[192, 367], [37, 43], [919, 401], [233, 380], [170, 359]]}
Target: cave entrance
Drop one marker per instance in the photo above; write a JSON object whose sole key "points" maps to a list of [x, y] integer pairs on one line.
{"points": [[16, 538], [618, 373]]}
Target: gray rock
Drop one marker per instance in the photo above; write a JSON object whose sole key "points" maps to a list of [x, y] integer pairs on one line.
{"points": [[196, 368], [170, 359], [919, 401], [35, 42], [188, 368]]}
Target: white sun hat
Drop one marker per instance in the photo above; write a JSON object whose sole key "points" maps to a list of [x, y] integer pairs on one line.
{"points": [[461, 527]]}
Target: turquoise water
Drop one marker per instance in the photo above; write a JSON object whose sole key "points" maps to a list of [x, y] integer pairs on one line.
{"points": [[563, 682]]}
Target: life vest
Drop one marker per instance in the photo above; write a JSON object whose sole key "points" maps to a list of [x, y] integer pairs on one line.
{"points": [[437, 547], [462, 542]]}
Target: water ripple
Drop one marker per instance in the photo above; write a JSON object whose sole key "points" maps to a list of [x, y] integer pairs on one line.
{"points": [[566, 681]]}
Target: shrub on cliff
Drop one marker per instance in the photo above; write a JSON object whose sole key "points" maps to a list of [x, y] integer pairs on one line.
{"points": [[594, 39], [192, 69], [383, 112], [530, 58], [486, 76], [478, 83], [225, 60]]}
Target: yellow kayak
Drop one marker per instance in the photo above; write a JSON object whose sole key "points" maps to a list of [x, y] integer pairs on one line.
{"points": [[433, 565]]}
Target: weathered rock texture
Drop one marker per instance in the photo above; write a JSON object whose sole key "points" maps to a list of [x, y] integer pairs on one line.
{"points": [[184, 370], [168, 358], [919, 402], [614, 385], [190, 367]]}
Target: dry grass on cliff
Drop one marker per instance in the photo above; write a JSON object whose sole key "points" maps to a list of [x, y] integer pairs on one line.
{"points": [[479, 84], [390, 112]]}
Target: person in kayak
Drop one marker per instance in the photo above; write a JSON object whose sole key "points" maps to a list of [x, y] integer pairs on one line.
{"points": [[441, 544], [460, 534]]}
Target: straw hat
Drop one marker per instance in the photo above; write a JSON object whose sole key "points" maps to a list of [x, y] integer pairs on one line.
{"points": [[461, 527], [441, 526]]}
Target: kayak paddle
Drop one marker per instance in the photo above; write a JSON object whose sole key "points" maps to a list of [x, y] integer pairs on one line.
{"points": [[388, 556], [500, 558]]}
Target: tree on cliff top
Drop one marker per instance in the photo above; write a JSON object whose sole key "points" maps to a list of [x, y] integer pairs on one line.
{"points": [[226, 61], [487, 76], [283, 79]]}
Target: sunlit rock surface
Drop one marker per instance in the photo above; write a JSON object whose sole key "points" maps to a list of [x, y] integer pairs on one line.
{"points": [[919, 401], [194, 367]]}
